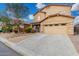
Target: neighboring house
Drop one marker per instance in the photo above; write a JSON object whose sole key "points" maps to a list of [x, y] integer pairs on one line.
{"points": [[54, 19], [24, 26]]}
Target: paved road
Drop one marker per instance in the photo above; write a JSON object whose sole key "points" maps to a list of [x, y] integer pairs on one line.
{"points": [[6, 51], [47, 45]]}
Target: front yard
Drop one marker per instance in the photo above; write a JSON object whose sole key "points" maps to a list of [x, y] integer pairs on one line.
{"points": [[15, 37]]}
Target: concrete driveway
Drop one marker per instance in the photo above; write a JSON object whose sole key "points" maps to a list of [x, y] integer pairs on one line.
{"points": [[43, 45], [46, 45]]}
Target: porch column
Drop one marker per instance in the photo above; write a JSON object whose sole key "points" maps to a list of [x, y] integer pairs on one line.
{"points": [[41, 28]]}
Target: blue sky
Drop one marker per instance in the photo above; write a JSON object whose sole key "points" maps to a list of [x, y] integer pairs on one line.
{"points": [[33, 8], [2, 6], [29, 5]]}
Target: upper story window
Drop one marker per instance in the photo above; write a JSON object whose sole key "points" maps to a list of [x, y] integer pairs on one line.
{"points": [[62, 12], [38, 18]]}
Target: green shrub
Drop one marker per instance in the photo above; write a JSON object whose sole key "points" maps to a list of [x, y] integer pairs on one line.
{"points": [[15, 28], [28, 29], [0, 30], [7, 28], [4, 29]]}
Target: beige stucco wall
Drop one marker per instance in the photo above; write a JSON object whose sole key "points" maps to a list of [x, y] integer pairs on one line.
{"points": [[58, 20], [52, 10], [57, 9], [70, 27], [41, 15]]}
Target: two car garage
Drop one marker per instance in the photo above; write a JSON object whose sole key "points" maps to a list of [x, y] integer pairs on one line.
{"points": [[57, 24], [55, 19], [55, 28]]}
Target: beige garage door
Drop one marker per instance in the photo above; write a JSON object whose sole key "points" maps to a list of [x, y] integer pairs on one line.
{"points": [[55, 29]]}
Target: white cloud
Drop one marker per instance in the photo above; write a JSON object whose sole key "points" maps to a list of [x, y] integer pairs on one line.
{"points": [[25, 19], [29, 19], [10, 15], [40, 5], [76, 20], [75, 7], [31, 16]]}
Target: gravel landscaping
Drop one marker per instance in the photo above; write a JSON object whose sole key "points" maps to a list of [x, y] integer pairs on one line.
{"points": [[15, 37]]}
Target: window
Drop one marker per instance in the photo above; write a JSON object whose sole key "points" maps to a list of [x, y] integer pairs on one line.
{"points": [[45, 25], [63, 24], [56, 24], [50, 24], [62, 12], [38, 18]]}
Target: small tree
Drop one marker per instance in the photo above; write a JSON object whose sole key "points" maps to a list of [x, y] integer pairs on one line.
{"points": [[19, 9], [5, 20]]}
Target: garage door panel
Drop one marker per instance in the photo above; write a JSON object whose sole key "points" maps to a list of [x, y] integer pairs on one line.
{"points": [[55, 29]]}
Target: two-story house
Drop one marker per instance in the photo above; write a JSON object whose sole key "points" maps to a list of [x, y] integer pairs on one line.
{"points": [[54, 19]]}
